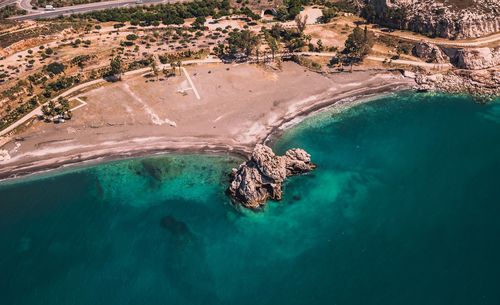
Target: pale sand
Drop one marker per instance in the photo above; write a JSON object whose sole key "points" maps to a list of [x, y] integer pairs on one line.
{"points": [[237, 108]]}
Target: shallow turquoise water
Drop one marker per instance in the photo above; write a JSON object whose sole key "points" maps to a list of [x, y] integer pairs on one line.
{"points": [[403, 209]]}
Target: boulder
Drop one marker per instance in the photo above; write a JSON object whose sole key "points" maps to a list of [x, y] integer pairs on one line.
{"points": [[261, 177], [477, 59], [430, 52], [4, 155], [409, 74], [483, 84]]}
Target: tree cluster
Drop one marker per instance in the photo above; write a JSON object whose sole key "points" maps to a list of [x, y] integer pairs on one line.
{"points": [[358, 43], [165, 13], [54, 111], [55, 68], [10, 10], [115, 69], [238, 43], [290, 9]]}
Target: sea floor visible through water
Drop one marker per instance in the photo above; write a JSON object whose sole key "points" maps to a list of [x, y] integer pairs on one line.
{"points": [[402, 209]]}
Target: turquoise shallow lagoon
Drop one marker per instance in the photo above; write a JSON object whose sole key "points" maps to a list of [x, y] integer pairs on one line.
{"points": [[404, 208]]}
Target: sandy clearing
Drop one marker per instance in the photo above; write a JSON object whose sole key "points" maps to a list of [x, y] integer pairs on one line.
{"points": [[240, 107]]}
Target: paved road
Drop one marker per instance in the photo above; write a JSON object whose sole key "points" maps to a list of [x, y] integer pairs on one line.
{"points": [[82, 8], [471, 42], [382, 59], [26, 5], [6, 2], [410, 63]]}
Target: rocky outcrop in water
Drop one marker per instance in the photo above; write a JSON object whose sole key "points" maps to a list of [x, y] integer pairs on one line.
{"points": [[430, 52], [261, 177], [445, 18]]}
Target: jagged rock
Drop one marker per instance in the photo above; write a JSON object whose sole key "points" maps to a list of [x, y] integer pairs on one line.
{"points": [[4, 155], [483, 83], [478, 58], [446, 18], [409, 74], [297, 161], [430, 52], [261, 177]]}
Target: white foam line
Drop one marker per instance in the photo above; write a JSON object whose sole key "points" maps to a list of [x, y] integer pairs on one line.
{"points": [[191, 83], [154, 117]]}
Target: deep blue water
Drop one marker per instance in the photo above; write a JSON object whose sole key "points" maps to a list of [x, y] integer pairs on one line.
{"points": [[404, 208]]}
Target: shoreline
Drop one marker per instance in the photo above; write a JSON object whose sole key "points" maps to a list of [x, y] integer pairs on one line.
{"points": [[340, 104], [132, 149]]}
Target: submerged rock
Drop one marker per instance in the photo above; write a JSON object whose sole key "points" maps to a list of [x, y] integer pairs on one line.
{"points": [[261, 177], [175, 226]]}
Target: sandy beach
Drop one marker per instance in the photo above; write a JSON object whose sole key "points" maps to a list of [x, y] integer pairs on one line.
{"points": [[211, 108]]}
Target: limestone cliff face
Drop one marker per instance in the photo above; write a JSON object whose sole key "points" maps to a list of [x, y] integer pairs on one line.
{"points": [[430, 52], [478, 58], [441, 18], [479, 83], [261, 177]]}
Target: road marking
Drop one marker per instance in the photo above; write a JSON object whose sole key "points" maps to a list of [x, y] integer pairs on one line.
{"points": [[191, 83], [82, 103]]}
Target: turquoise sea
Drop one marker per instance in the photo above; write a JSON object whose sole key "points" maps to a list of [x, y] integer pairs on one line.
{"points": [[404, 208]]}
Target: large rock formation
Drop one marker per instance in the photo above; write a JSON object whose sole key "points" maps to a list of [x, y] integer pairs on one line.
{"points": [[430, 52], [483, 83], [442, 18], [261, 177], [479, 58]]}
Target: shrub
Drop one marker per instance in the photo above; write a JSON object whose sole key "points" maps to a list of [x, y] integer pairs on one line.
{"points": [[131, 37]]}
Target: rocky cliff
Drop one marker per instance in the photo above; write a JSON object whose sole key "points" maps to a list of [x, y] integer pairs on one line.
{"points": [[430, 52], [462, 58], [261, 177], [456, 19], [477, 59], [483, 83]]}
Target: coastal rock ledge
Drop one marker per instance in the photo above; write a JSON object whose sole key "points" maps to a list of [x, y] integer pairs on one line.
{"points": [[261, 177]]}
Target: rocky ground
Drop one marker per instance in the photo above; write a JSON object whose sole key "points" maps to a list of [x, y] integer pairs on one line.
{"points": [[484, 84], [451, 19], [476, 70]]}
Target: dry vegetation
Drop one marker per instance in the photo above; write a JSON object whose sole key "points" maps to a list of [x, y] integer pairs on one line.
{"points": [[44, 58]]}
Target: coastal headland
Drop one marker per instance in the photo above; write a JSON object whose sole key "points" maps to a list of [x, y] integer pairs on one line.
{"points": [[215, 108]]}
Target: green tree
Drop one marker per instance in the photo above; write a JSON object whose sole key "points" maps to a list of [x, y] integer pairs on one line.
{"points": [[242, 42], [116, 68], [131, 37], [358, 43], [199, 23], [328, 14], [301, 23], [55, 68], [321, 48], [273, 44]]}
